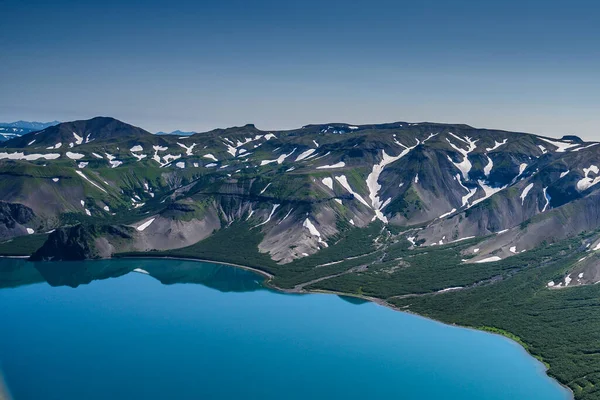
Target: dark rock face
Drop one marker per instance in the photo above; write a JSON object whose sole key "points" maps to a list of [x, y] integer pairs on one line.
{"points": [[12, 218], [68, 244], [572, 138], [11, 214], [82, 242]]}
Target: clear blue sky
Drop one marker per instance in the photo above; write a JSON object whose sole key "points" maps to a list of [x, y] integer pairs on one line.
{"points": [[521, 65]]}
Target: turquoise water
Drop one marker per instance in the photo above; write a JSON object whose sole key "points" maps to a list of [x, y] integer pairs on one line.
{"points": [[192, 330]]}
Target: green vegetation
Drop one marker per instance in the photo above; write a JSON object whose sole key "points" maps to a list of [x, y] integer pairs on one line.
{"points": [[559, 327], [354, 248], [22, 245], [407, 203], [236, 244], [509, 335]]}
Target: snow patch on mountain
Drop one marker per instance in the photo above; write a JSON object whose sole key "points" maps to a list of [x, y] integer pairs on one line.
{"points": [[465, 165], [488, 168], [586, 147], [586, 182], [29, 157], [232, 148], [373, 178], [90, 181], [344, 182], [489, 259], [139, 157], [313, 231], [286, 215], [278, 160], [547, 198], [74, 156], [114, 163], [447, 214], [146, 224], [542, 148], [188, 149], [496, 145], [488, 190], [305, 154], [336, 165], [78, 139], [561, 147], [265, 188], [328, 182], [470, 192], [525, 193], [275, 207]]}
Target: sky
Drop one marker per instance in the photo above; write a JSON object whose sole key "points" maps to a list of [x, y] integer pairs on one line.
{"points": [[526, 65]]}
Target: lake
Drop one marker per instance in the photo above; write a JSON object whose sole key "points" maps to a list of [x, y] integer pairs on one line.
{"points": [[190, 330]]}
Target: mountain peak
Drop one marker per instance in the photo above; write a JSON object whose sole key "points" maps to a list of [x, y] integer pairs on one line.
{"points": [[77, 132]]}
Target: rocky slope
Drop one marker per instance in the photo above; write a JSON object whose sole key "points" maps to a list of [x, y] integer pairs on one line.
{"points": [[301, 190], [15, 219]]}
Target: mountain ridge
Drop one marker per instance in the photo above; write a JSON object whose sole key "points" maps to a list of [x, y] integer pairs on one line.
{"points": [[305, 187], [31, 125]]}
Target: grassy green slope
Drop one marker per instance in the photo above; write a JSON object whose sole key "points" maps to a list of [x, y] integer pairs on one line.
{"points": [[22, 245], [560, 327]]}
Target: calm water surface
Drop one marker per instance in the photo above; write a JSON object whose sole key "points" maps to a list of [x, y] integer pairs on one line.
{"points": [[189, 330]]}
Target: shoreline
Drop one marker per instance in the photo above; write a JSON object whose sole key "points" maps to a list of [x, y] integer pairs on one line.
{"points": [[256, 270], [269, 277]]}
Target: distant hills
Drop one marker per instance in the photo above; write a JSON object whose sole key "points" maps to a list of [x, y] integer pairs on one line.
{"points": [[32, 125], [176, 133], [9, 130]]}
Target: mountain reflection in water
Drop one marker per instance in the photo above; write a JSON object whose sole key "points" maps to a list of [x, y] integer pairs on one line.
{"points": [[19, 272]]}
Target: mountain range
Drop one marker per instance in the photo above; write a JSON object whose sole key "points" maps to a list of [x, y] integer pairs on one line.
{"points": [[485, 228], [303, 189], [9, 130]]}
